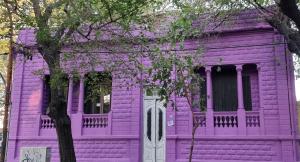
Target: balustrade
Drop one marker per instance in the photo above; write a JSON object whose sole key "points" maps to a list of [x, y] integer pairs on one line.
{"points": [[46, 122], [200, 119], [94, 121], [225, 119], [252, 119]]}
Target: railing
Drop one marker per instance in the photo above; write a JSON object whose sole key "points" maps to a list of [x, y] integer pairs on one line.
{"points": [[200, 118], [252, 119], [225, 119], [94, 120], [46, 122]]}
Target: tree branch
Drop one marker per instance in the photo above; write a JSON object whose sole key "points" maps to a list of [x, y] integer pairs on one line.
{"points": [[3, 79], [290, 9], [50, 7], [36, 8]]}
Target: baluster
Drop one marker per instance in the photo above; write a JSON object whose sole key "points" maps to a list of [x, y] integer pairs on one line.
{"points": [[93, 122], [97, 122], [86, 122], [101, 122], [223, 121], [227, 121], [233, 121], [90, 122], [48, 123], [236, 121], [255, 121]]}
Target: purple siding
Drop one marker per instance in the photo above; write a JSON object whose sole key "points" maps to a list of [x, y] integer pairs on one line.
{"points": [[273, 98]]}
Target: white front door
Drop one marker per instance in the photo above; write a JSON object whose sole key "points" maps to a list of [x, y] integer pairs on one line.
{"points": [[154, 130]]}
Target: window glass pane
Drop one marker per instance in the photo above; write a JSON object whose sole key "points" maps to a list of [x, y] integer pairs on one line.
{"points": [[149, 124], [160, 125]]}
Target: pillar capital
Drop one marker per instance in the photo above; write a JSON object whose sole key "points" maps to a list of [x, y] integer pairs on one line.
{"points": [[81, 75], [239, 67], [208, 68], [258, 67], [70, 76]]}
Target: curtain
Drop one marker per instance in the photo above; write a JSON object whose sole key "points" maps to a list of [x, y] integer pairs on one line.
{"points": [[225, 91], [247, 93]]}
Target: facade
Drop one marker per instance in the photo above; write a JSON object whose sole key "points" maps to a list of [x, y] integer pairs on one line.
{"points": [[249, 113]]}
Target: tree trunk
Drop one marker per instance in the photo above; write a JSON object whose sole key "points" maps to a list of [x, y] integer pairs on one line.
{"points": [[8, 85], [192, 144], [195, 126], [65, 139], [58, 112]]}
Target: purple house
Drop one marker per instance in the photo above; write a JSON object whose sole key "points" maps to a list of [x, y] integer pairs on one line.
{"points": [[249, 109]]}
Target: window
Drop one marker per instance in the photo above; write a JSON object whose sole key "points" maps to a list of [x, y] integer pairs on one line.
{"points": [[224, 82], [199, 90], [250, 87], [46, 94], [98, 87], [47, 91]]}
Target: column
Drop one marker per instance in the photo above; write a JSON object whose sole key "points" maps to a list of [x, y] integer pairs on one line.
{"points": [[239, 69], [209, 100], [209, 89], [70, 95], [241, 111], [261, 111], [77, 118], [81, 95]]}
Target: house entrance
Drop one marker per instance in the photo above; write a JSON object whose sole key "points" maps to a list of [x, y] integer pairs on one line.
{"points": [[154, 128]]}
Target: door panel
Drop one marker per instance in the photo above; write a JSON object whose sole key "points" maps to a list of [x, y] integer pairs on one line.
{"points": [[154, 131], [149, 137], [160, 132]]}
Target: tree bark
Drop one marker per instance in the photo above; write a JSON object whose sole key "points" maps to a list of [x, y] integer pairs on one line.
{"points": [[192, 144], [65, 139], [58, 112], [195, 126]]}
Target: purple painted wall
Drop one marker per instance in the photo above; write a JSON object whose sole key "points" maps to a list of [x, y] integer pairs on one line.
{"points": [[268, 133]]}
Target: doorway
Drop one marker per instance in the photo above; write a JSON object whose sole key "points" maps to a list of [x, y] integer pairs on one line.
{"points": [[154, 131]]}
